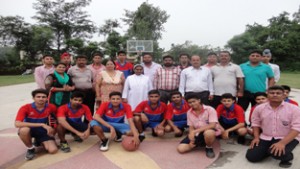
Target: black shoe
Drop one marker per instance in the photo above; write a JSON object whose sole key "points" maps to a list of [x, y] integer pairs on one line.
{"points": [[241, 140], [77, 138], [141, 138], [153, 133], [210, 152], [30, 154], [285, 164], [104, 145], [118, 137]]}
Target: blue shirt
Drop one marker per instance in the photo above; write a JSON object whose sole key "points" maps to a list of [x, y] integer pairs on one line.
{"points": [[255, 76]]}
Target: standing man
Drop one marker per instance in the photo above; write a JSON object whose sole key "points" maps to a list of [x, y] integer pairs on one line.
{"points": [[197, 79], [83, 79], [123, 65], [256, 74], [166, 79], [184, 61], [41, 72], [149, 66], [276, 129], [228, 78], [32, 121], [96, 67], [66, 59], [212, 60], [266, 57]]}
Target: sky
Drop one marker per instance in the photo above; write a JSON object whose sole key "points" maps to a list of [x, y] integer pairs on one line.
{"points": [[204, 22]]}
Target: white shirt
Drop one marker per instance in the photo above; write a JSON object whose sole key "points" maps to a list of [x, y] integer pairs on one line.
{"points": [[196, 80], [276, 71], [150, 71]]}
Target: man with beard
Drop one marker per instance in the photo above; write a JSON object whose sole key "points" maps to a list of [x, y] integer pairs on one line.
{"points": [[149, 66], [166, 79]]}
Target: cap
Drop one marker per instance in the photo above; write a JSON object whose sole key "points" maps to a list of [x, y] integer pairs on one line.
{"points": [[267, 52], [66, 54]]}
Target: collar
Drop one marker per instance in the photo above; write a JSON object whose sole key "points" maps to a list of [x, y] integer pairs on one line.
{"points": [[200, 68], [181, 105], [201, 111], [73, 110], [158, 104], [35, 108], [259, 64], [121, 107]]}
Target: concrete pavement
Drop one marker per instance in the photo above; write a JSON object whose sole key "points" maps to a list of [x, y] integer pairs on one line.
{"points": [[153, 153]]}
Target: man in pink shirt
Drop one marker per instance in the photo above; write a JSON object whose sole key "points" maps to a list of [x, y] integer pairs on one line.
{"points": [[276, 129], [202, 121], [41, 72]]}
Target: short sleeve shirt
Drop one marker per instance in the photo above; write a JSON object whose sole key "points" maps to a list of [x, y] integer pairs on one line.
{"points": [[207, 115], [177, 114], [235, 113], [154, 114], [74, 115], [107, 112]]}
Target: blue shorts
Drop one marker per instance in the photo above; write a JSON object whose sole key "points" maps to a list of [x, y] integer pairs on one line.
{"points": [[40, 135], [181, 124], [151, 124], [80, 126], [120, 127]]}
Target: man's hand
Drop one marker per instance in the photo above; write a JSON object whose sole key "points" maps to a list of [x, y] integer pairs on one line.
{"points": [[225, 134], [136, 141], [50, 130], [254, 143], [112, 133], [278, 149]]}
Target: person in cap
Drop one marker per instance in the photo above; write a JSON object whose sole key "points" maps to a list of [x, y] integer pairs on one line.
{"points": [[136, 87], [266, 58]]}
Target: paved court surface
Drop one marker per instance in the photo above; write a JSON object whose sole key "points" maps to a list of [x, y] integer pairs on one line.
{"points": [[153, 153]]}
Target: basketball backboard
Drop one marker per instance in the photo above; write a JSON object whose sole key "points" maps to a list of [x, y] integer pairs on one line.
{"points": [[139, 46]]}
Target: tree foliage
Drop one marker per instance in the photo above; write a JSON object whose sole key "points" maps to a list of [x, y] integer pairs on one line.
{"points": [[67, 20]]}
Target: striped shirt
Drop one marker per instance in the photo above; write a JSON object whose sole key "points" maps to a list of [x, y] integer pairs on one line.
{"points": [[167, 78]]}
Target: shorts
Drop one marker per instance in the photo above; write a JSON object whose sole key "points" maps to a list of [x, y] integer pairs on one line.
{"points": [[180, 124], [120, 127], [39, 134], [199, 140], [79, 126], [150, 124]]}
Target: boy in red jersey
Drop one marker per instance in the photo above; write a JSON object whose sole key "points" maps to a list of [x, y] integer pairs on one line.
{"points": [[123, 65], [32, 121], [176, 114], [287, 91], [110, 118], [150, 113], [70, 118], [231, 118]]}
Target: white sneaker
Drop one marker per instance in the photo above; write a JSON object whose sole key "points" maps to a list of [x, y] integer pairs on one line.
{"points": [[104, 145]]}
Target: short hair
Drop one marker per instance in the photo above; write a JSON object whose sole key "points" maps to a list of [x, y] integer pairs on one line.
{"points": [[153, 92], [121, 52], [257, 94], [192, 96], [97, 53], [47, 55], [255, 51], [226, 51], [276, 87], [147, 53], [212, 53], [175, 93], [286, 87], [38, 91], [107, 60], [168, 56], [60, 63], [82, 57], [77, 94], [227, 96], [114, 93], [184, 54]]}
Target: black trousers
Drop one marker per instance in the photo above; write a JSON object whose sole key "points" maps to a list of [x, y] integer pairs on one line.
{"points": [[262, 151], [246, 99], [202, 95], [165, 95]]}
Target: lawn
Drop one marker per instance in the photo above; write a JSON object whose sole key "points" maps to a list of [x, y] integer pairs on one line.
{"points": [[291, 79], [15, 79]]}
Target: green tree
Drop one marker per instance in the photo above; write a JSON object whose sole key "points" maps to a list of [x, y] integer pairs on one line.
{"points": [[146, 23], [109, 26], [66, 19], [114, 43]]}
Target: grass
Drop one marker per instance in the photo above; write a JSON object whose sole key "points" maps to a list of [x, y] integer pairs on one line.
{"points": [[15, 79], [287, 78], [290, 79]]}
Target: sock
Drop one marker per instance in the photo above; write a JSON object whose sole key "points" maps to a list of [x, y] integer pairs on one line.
{"points": [[29, 148], [208, 146]]}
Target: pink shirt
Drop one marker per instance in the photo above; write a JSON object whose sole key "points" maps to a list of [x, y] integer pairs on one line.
{"points": [[276, 123], [95, 72], [208, 115], [40, 74]]}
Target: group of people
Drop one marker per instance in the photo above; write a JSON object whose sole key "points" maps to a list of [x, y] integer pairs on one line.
{"points": [[209, 101]]}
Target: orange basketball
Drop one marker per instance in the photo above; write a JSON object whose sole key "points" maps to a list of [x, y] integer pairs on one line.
{"points": [[128, 144]]}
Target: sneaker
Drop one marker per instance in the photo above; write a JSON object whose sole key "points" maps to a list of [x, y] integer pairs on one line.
{"points": [[241, 140], [65, 147], [104, 145], [30, 154], [141, 138], [77, 138], [210, 152], [118, 137], [285, 164]]}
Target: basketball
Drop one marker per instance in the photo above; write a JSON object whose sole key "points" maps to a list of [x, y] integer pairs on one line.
{"points": [[128, 144]]}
